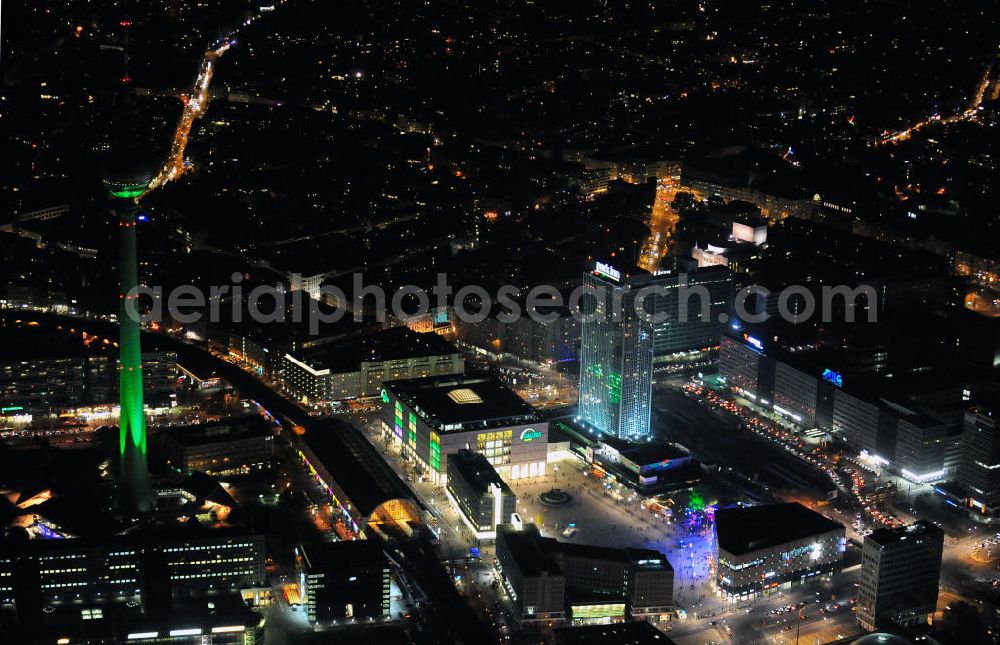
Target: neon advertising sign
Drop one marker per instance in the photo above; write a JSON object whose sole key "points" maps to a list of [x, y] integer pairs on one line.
{"points": [[608, 271], [530, 434]]}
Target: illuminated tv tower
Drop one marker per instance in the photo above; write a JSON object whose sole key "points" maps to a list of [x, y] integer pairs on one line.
{"points": [[126, 177], [134, 493]]}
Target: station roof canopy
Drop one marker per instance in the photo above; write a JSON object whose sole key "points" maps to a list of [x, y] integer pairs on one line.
{"points": [[363, 475]]}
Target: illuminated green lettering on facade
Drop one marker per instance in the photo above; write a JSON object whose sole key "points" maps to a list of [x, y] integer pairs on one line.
{"points": [[798, 551], [530, 435]]}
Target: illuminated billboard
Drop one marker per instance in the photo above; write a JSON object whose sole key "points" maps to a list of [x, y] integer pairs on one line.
{"points": [[608, 271]]}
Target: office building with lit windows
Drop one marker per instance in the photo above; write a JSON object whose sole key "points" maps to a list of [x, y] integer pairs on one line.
{"points": [[553, 582], [46, 372], [797, 383], [745, 367], [531, 575], [901, 423], [44, 581], [761, 549], [228, 446], [542, 341], [979, 471], [679, 303], [342, 580], [215, 619], [437, 416], [888, 425], [616, 355], [900, 571], [482, 498], [357, 367], [819, 390]]}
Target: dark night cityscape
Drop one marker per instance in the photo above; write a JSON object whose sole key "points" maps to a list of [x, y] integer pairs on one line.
{"points": [[528, 322]]}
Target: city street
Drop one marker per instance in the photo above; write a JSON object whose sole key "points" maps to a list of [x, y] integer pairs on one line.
{"points": [[774, 619]]}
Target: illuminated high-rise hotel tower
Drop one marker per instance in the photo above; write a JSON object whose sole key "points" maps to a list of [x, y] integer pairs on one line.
{"points": [[616, 357]]}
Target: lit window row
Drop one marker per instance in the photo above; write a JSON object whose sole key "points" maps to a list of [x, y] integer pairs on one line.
{"points": [[219, 560], [76, 570], [71, 556], [213, 575], [207, 547], [59, 585]]}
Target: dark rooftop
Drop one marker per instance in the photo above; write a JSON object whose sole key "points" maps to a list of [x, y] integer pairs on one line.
{"points": [[535, 553], [742, 530], [29, 342], [637, 632], [477, 470], [646, 452], [922, 528], [251, 426], [396, 343], [118, 619], [527, 547], [574, 549], [462, 398], [347, 554], [204, 486], [293, 329], [155, 535], [577, 597], [648, 558], [358, 633]]}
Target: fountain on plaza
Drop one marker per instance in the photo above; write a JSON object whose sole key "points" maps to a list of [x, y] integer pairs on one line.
{"points": [[555, 497]]}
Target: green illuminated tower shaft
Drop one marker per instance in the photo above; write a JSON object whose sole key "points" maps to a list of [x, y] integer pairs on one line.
{"points": [[125, 176], [134, 493]]}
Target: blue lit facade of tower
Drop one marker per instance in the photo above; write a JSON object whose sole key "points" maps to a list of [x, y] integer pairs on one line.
{"points": [[616, 357]]}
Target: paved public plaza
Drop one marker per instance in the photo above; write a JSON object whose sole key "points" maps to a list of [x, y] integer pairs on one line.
{"points": [[605, 514]]}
